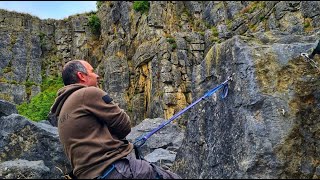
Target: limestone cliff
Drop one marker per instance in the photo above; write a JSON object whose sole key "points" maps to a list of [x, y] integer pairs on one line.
{"points": [[156, 63]]}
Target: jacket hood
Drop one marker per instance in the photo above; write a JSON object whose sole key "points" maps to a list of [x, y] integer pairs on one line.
{"points": [[62, 96]]}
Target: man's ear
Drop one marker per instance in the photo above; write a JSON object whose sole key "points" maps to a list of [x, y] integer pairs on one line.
{"points": [[81, 76]]}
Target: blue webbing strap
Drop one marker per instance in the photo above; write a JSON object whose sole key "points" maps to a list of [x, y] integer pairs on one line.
{"points": [[108, 171], [140, 141]]}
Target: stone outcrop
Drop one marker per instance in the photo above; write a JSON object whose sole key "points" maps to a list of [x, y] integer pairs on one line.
{"points": [[29, 150], [161, 148], [156, 63], [267, 126], [24, 169], [7, 108], [142, 58]]}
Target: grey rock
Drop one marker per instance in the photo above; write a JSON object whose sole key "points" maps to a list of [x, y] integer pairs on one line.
{"points": [[33, 142], [7, 108], [24, 169], [170, 136]]}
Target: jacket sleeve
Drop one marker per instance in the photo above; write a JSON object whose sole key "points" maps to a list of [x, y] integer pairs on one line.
{"points": [[111, 114]]}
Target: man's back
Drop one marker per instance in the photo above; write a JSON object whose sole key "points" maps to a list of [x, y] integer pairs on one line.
{"points": [[91, 129]]}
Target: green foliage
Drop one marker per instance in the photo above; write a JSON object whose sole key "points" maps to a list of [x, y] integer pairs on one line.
{"points": [[29, 83], [7, 70], [94, 24], [307, 23], [141, 6], [3, 80], [99, 3], [215, 31], [229, 24], [171, 40], [42, 36], [215, 39], [173, 43], [174, 46], [39, 106], [261, 18]]}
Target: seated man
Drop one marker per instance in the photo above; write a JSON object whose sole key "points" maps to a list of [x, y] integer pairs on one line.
{"points": [[93, 129]]}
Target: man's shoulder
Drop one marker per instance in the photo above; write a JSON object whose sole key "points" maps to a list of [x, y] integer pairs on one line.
{"points": [[93, 90]]}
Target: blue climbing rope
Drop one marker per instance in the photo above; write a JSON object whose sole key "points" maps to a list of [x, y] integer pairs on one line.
{"points": [[141, 140]]}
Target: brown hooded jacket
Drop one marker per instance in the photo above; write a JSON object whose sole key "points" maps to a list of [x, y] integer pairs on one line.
{"points": [[91, 128]]}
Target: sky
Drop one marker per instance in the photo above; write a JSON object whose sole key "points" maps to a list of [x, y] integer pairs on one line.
{"points": [[49, 9]]}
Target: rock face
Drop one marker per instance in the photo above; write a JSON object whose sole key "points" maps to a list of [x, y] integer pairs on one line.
{"points": [[30, 150], [161, 148], [141, 58], [156, 63], [7, 108], [23, 169], [267, 126]]}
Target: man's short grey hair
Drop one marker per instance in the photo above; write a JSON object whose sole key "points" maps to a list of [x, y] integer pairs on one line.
{"points": [[69, 73]]}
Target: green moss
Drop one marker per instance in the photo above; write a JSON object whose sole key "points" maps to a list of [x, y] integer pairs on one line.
{"points": [[13, 40], [229, 24], [186, 13], [6, 97], [3, 80], [261, 17], [173, 43], [202, 33], [215, 39], [215, 31], [13, 82], [253, 27], [171, 40], [174, 46], [29, 83], [307, 24], [7, 70], [141, 6]]}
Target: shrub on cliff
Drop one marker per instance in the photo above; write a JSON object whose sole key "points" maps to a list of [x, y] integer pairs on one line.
{"points": [[99, 4], [39, 106], [141, 6], [95, 24]]}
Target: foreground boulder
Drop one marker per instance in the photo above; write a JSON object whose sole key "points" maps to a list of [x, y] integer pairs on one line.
{"points": [[23, 169], [30, 149], [7, 108], [268, 126], [162, 146]]}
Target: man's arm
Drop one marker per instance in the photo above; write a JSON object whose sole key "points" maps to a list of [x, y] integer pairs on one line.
{"points": [[105, 110]]}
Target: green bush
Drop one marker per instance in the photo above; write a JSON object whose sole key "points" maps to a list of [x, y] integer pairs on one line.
{"points": [[171, 40], [42, 40], [99, 3], [141, 6], [94, 24], [173, 43], [39, 106]]}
